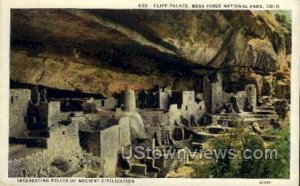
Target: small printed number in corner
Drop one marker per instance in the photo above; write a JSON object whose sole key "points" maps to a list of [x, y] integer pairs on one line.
{"points": [[264, 182], [143, 5]]}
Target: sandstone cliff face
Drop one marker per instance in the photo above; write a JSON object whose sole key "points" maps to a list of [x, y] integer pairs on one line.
{"points": [[260, 54], [104, 51], [69, 75]]}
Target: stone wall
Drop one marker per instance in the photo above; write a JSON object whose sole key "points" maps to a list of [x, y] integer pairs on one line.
{"points": [[251, 96], [50, 113], [163, 100], [19, 99], [174, 115], [124, 131], [108, 103], [282, 90], [240, 99], [217, 101], [201, 110], [136, 123], [90, 142], [188, 97], [190, 107], [64, 142], [212, 93], [243, 98], [109, 149], [62, 145], [53, 112], [153, 118], [107, 142], [226, 97], [207, 93], [130, 101]]}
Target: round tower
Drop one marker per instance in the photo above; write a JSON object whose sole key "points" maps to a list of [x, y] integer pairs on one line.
{"points": [[129, 101]]}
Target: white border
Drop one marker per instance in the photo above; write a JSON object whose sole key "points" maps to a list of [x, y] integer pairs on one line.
{"points": [[5, 7]]}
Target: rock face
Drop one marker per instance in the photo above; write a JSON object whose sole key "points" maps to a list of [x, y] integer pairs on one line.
{"points": [[261, 55], [74, 76], [104, 51]]}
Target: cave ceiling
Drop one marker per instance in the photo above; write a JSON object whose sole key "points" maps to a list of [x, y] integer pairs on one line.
{"points": [[149, 43]]}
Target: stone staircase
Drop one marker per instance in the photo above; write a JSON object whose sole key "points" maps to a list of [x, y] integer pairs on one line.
{"points": [[144, 168]]}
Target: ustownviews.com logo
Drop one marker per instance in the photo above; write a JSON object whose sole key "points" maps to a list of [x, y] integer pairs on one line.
{"points": [[141, 152]]}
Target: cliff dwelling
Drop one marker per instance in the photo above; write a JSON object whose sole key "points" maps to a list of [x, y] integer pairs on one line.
{"points": [[89, 85]]}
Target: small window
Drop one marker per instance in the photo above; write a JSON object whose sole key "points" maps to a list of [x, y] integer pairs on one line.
{"points": [[23, 173], [186, 107], [25, 119], [63, 133], [11, 99], [102, 103], [200, 107]]}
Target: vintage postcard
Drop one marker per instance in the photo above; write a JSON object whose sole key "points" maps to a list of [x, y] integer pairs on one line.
{"points": [[149, 92]]}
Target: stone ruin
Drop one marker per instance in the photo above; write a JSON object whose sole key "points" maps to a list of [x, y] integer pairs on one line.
{"points": [[88, 142]]}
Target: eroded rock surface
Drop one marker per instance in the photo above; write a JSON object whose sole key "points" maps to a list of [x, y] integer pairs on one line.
{"points": [[106, 51]]}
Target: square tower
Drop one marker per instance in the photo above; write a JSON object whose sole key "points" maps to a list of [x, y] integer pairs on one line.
{"points": [[19, 100], [213, 92]]}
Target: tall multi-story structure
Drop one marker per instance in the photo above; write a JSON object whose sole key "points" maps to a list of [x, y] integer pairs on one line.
{"points": [[212, 92], [19, 100]]}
